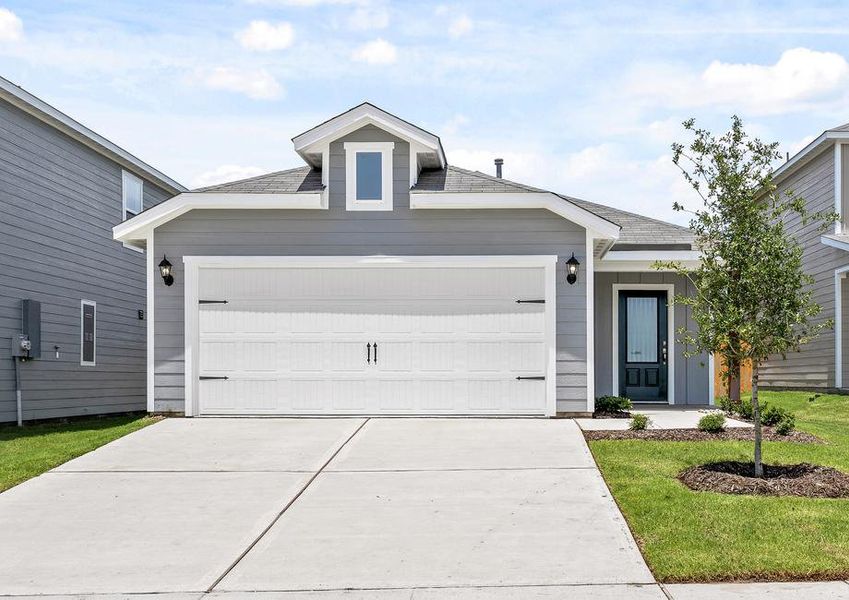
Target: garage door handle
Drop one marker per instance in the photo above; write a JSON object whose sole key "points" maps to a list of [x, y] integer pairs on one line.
{"points": [[204, 377], [530, 301], [375, 353], [535, 377], [368, 353]]}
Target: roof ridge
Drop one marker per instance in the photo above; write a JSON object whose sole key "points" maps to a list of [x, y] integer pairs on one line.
{"points": [[254, 178]]}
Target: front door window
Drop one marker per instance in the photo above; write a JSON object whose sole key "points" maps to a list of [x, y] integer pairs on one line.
{"points": [[643, 345]]}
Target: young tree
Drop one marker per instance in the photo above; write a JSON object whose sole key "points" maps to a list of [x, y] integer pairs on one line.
{"points": [[752, 299]]}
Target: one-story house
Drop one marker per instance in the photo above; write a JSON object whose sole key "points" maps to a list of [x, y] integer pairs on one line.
{"points": [[380, 280]]}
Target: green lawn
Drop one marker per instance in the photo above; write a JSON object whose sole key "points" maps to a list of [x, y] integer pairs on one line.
{"points": [[33, 449], [701, 536]]}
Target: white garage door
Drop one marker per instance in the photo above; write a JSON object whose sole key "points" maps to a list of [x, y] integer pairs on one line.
{"points": [[372, 340]]}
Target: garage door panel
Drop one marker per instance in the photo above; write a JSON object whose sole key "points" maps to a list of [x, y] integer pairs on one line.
{"points": [[451, 340]]}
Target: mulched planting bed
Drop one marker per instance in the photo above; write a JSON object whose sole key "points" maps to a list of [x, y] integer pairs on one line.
{"points": [[619, 414], [733, 477], [696, 435]]}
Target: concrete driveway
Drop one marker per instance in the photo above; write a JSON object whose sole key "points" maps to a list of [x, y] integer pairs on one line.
{"points": [[325, 508]]}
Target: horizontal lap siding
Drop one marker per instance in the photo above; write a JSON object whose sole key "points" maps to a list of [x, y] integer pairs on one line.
{"points": [[60, 201], [813, 366], [692, 374], [400, 232]]}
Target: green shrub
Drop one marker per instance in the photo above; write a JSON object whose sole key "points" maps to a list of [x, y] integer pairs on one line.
{"points": [[712, 422], [639, 422], [612, 404], [724, 403], [786, 425], [773, 415], [747, 412]]}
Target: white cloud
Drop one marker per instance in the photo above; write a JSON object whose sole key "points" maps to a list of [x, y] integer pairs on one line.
{"points": [[800, 80], [454, 124], [225, 173], [460, 26], [363, 19], [376, 52], [303, 3], [11, 27], [258, 84], [264, 36]]}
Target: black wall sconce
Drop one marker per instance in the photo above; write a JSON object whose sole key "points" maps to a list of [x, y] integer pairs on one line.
{"points": [[165, 271], [572, 269]]}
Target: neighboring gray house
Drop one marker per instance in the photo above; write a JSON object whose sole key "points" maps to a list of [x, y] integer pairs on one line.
{"points": [[377, 279], [62, 189], [819, 173]]}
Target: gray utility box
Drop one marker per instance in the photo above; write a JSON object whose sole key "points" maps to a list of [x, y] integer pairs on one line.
{"points": [[30, 330]]}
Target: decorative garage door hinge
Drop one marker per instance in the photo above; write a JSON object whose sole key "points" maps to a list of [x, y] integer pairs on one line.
{"points": [[534, 378], [212, 302], [530, 301], [205, 377]]}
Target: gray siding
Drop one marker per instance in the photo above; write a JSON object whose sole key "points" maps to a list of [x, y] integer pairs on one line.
{"points": [[400, 232], [692, 374], [813, 367], [58, 203]]}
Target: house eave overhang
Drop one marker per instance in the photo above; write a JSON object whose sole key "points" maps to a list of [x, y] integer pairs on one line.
{"points": [[835, 241], [599, 227], [645, 260], [311, 145], [42, 111], [136, 229], [820, 144]]}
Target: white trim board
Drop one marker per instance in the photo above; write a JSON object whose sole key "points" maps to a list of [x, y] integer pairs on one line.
{"points": [[839, 275], [808, 152], [385, 149], [589, 279], [193, 264], [137, 228], [150, 281], [600, 227], [85, 363], [669, 288], [312, 141], [841, 243]]}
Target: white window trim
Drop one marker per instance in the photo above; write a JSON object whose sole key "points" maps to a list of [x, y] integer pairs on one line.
{"points": [[193, 264], [93, 304], [839, 275], [669, 288], [125, 177], [351, 151]]}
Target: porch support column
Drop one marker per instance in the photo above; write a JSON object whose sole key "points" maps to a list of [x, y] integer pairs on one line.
{"points": [[589, 278]]}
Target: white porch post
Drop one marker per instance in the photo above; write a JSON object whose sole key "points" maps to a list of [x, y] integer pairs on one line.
{"points": [[590, 283]]}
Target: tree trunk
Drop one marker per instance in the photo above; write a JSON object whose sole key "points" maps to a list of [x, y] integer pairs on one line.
{"points": [[756, 417], [734, 383], [733, 366]]}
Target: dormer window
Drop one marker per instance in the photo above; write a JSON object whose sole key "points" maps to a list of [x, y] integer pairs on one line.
{"points": [[368, 175], [132, 193]]}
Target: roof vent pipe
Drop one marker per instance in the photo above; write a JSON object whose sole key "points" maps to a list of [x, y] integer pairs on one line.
{"points": [[498, 163]]}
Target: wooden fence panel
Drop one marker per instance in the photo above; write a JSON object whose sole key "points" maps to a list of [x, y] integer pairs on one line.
{"points": [[720, 389]]}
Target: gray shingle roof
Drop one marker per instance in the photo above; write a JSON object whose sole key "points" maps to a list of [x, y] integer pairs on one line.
{"points": [[844, 127], [637, 230], [302, 179]]}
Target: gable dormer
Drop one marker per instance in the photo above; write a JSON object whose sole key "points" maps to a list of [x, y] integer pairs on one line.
{"points": [[371, 146]]}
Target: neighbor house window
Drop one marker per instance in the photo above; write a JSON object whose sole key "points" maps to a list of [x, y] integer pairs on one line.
{"points": [[368, 175], [88, 333], [132, 191]]}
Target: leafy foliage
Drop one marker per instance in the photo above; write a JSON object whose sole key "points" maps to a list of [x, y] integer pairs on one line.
{"points": [[786, 425], [639, 422], [612, 404], [712, 422], [772, 415], [752, 299]]}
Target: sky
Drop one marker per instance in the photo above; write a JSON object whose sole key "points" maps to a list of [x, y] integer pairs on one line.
{"points": [[582, 98]]}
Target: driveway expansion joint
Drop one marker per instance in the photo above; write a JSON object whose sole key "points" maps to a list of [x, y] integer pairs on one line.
{"points": [[286, 507]]}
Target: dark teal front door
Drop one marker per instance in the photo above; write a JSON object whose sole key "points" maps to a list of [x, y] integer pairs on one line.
{"points": [[643, 345]]}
